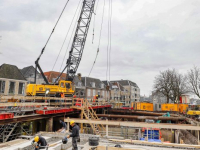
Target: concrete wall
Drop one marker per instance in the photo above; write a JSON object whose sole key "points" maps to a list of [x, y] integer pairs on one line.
{"points": [[16, 87]]}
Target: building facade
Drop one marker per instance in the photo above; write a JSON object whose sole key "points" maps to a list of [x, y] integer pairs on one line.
{"points": [[131, 90], [123, 91], [12, 81], [29, 74], [88, 87]]}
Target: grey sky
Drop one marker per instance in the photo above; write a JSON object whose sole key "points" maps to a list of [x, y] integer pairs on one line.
{"points": [[148, 36]]}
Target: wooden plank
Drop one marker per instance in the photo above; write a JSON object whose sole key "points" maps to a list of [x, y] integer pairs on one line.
{"points": [[22, 104], [2, 97], [114, 148], [156, 143], [60, 103], [136, 124]]}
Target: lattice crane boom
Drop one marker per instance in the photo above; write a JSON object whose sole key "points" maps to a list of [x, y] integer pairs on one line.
{"points": [[78, 44]]}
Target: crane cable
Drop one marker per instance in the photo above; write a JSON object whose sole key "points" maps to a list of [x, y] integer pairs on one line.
{"points": [[65, 37], [107, 69], [94, 22], [53, 30], [110, 36], [70, 38], [99, 40]]}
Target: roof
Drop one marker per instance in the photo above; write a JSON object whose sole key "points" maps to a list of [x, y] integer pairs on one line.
{"points": [[11, 72], [126, 82], [118, 85], [54, 75], [28, 71], [114, 85], [107, 83], [87, 81]]}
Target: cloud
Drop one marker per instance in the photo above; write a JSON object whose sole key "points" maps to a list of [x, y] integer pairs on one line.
{"points": [[147, 36]]}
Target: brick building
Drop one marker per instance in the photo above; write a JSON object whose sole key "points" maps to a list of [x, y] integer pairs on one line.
{"points": [[124, 91], [88, 87], [53, 75]]}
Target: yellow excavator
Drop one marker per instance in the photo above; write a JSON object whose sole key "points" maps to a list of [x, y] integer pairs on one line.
{"points": [[65, 87]]}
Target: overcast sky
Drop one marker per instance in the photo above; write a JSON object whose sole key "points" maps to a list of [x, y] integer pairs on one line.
{"points": [[148, 36]]}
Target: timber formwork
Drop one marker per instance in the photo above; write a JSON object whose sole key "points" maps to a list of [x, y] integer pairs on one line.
{"points": [[26, 109], [22, 107]]}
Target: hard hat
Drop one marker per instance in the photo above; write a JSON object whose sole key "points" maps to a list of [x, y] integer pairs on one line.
{"points": [[36, 139], [71, 122], [97, 95]]}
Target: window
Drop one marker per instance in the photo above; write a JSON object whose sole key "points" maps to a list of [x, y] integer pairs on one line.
{"points": [[2, 86], [82, 94], [62, 85], [102, 85], [79, 84], [93, 84], [159, 105], [21, 88], [99, 92], [53, 80], [89, 92], [12, 88], [94, 92], [67, 85], [103, 93]]}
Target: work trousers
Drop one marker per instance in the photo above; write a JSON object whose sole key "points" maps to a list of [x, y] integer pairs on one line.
{"points": [[74, 142]]}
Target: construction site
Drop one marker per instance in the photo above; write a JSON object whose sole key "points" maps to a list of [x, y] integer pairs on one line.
{"points": [[70, 112], [22, 120]]}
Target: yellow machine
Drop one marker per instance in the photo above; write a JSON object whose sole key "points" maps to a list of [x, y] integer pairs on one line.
{"points": [[183, 108], [169, 107], [174, 107], [193, 110], [65, 88], [142, 106]]}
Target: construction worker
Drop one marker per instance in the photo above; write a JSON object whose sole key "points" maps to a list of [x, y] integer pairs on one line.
{"points": [[64, 127], [40, 143], [95, 99], [74, 135]]}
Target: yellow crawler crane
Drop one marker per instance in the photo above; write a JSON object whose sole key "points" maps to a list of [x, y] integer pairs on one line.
{"points": [[63, 88], [73, 61]]}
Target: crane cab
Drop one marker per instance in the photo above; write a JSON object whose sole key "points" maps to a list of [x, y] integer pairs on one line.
{"points": [[65, 88]]}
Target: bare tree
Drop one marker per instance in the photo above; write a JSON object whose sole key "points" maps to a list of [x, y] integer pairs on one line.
{"points": [[162, 84], [171, 84], [179, 85], [193, 78]]}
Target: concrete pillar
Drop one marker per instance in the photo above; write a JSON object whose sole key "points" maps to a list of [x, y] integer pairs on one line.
{"points": [[49, 124], [68, 124], [34, 127], [107, 128]]}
